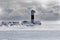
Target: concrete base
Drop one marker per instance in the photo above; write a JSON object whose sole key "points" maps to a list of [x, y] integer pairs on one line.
{"points": [[28, 23]]}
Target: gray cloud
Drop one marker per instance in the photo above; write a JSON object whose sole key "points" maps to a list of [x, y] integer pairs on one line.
{"points": [[20, 9]]}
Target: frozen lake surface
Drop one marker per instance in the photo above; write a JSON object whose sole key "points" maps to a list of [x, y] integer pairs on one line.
{"points": [[30, 35], [49, 30]]}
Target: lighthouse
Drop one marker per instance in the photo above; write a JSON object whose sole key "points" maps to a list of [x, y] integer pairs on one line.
{"points": [[32, 22], [32, 16]]}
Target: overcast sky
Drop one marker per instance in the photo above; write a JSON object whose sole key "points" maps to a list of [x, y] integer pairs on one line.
{"points": [[20, 9]]}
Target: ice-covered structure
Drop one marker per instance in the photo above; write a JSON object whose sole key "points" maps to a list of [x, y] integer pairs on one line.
{"points": [[32, 20]]}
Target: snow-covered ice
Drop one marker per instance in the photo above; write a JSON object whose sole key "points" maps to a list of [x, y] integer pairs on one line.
{"points": [[45, 25]]}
